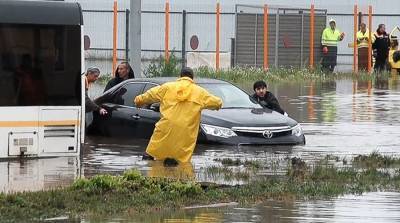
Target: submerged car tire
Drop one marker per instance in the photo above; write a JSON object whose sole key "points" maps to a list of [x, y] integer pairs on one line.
{"points": [[304, 140]]}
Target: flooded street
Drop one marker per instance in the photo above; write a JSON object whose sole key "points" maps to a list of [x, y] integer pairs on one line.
{"points": [[343, 118], [371, 207]]}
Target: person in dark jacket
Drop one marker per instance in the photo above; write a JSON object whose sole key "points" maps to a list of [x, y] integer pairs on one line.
{"points": [[92, 74], [266, 98], [381, 48], [123, 72]]}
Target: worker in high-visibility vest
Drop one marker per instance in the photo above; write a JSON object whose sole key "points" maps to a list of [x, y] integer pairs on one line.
{"points": [[394, 56], [330, 38], [362, 44], [394, 52]]}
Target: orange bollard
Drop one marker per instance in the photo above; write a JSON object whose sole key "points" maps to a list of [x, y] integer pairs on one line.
{"points": [[312, 37], [167, 32], [265, 37], [217, 37], [370, 39], [355, 65], [115, 29]]}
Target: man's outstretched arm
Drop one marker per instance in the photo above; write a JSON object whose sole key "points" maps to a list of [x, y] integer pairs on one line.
{"points": [[151, 96], [211, 102]]}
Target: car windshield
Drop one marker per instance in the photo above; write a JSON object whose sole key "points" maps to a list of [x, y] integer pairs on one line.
{"points": [[232, 97]]}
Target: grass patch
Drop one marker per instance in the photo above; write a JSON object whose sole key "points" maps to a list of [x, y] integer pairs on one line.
{"points": [[376, 160], [131, 192], [237, 162], [227, 174], [243, 74], [159, 68]]}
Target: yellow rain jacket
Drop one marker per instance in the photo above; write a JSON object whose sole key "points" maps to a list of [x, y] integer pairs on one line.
{"points": [[181, 103], [393, 65]]}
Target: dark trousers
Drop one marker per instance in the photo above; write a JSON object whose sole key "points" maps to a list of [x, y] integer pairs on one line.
{"points": [[363, 59], [381, 60], [329, 59], [380, 64]]}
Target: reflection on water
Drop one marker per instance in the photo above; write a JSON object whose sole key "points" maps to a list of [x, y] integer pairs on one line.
{"points": [[371, 207], [38, 174]]}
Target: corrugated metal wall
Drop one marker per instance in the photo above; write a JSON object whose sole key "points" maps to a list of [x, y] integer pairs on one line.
{"points": [[291, 49]]}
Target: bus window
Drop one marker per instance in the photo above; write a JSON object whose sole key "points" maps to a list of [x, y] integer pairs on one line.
{"points": [[39, 65]]}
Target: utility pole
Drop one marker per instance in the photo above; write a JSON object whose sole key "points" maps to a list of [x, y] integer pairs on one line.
{"points": [[135, 32]]}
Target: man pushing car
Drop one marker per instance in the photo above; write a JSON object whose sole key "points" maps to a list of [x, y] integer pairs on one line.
{"points": [[181, 103]]}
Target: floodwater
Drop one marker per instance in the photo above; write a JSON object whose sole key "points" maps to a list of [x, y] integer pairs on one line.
{"points": [[369, 208], [343, 118]]}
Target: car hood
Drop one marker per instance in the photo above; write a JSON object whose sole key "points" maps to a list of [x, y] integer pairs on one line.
{"points": [[246, 117]]}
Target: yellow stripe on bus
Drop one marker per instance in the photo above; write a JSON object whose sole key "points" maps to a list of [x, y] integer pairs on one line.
{"points": [[37, 123]]}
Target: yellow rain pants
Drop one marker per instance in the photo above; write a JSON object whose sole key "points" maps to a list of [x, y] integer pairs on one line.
{"points": [[181, 103]]}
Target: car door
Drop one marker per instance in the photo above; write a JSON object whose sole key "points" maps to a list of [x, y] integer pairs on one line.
{"points": [[124, 115], [148, 117]]}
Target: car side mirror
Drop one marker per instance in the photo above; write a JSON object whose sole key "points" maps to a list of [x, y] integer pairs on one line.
{"points": [[155, 107]]}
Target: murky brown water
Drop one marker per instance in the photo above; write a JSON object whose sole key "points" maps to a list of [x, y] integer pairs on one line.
{"points": [[343, 118], [371, 207]]}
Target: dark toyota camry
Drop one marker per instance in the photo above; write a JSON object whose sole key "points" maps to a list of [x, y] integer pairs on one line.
{"points": [[240, 121]]}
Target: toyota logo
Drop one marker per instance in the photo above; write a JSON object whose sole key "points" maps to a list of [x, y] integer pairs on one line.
{"points": [[267, 134]]}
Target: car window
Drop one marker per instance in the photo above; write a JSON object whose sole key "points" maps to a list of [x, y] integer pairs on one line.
{"points": [[149, 86], [126, 94], [231, 96]]}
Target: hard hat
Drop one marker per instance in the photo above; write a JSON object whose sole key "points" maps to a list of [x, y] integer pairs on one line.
{"points": [[332, 20]]}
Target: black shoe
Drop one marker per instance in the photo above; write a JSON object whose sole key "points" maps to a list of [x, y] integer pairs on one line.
{"points": [[170, 162], [147, 157]]}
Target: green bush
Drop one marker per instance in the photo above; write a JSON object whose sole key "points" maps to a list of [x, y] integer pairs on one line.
{"points": [[159, 67]]}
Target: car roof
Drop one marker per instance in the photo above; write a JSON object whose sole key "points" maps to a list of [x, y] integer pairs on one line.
{"points": [[162, 80]]}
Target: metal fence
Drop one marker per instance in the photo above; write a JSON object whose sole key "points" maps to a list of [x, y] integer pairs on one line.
{"points": [[98, 26], [183, 26], [288, 36]]}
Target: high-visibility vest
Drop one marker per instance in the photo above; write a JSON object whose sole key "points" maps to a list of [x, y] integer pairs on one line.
{"points": [[361, 41], [330, 37]]}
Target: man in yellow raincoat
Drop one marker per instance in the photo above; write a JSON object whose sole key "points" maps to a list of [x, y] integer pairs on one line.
{"points": [[181, 103]]}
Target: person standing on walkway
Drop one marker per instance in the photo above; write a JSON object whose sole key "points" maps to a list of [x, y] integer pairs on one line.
{"points": [[330, 38], [181, 103], [123, 72], [381, 48], [362, 44]]}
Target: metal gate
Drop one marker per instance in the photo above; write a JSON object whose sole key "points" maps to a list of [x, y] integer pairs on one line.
{"points": [[288, 36]]}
